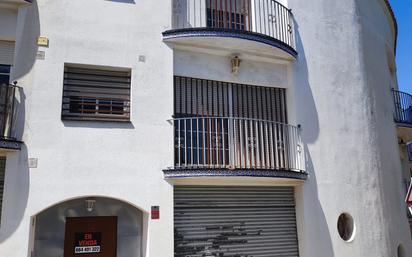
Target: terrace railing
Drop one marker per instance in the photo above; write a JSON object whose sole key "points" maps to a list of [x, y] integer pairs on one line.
{"points": [[7, 110], [266, 17], [236, 143], [403, 107]]}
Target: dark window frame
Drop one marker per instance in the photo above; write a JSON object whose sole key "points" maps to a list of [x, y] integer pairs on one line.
{"points": [[96, 94], [5, 70]]}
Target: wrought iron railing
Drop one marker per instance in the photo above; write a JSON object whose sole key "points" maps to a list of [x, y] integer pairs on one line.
{"points": [[7, 110], [403, 107], [266, 17], [236, 143]]}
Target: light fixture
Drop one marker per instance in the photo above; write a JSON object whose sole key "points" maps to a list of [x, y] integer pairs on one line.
{"points": [[90, 203], [235, 62]]}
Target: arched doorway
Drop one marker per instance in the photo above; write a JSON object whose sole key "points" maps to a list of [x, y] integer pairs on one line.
{"points": [[97, 226]]}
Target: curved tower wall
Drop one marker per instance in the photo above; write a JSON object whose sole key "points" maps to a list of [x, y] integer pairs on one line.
{"points": [[342, 92]]}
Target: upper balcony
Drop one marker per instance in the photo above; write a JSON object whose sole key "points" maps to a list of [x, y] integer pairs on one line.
{"points": [[249, 27], [403, 114], [8, 138]]}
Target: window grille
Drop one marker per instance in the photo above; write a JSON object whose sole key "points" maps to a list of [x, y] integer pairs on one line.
{"points": [[96, 94], [207, 98]]}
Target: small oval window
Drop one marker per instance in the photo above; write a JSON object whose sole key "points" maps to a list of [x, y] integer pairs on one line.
{"points": [[346, 227]]}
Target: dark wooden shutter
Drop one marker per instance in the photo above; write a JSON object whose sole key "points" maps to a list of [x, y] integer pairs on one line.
{"points": [[96, 94]]}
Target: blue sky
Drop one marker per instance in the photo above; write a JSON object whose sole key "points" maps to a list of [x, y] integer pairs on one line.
{"points": [[403, 11]]}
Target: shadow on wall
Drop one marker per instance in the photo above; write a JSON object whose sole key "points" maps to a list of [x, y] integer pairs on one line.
{"points": [[17, 181], [313, 217], [123, 1], [28, 30], [98, 124], [16, 192]]}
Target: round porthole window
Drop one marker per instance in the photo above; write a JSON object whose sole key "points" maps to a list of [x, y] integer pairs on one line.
{"points": [[401, 251], [346, 227]]}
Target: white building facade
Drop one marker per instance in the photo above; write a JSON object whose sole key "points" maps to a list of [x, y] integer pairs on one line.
{"points": [[194, 128]]}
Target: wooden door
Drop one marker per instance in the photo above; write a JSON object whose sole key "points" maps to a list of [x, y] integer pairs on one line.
{"points": [[90, 237]]}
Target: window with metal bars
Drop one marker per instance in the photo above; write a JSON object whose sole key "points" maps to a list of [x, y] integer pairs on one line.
{"points": [[195, 97], [232, 14], [221, 124], [96, 94]]}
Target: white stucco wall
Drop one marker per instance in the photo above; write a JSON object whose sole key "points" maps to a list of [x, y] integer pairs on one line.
{"points": [[214, 67], [123, 161], [377, 35], [338, 90]]}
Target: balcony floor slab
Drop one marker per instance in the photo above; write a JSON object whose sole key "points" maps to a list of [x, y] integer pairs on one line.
{"points": [[259, 173], [230, 42], [10, 145]]}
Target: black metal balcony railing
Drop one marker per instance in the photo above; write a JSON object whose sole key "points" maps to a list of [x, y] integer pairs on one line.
{"points": [[236, 143], [265, 17], [403, 107], [7, 109]]}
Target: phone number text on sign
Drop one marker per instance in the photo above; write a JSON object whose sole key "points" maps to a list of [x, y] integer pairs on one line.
{"points": [[87, 242], [87, 249]]}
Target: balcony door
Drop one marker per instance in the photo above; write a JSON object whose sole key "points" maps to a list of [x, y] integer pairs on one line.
{"points": [[227, 125], [229, 14]]}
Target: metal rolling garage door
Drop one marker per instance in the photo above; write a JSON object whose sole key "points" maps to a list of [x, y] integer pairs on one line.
{"points": [[6, 52], [235, 222]]}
